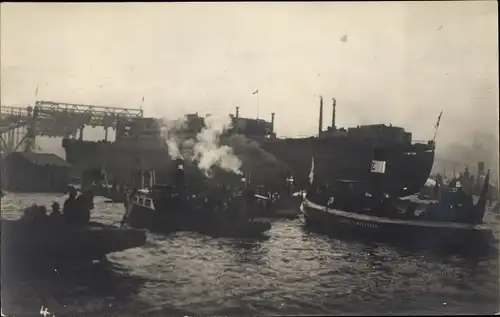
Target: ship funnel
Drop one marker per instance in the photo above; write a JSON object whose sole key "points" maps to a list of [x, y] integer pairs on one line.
{"points": [[320, 123], [237, 112], [333, 113], [272, 122]]}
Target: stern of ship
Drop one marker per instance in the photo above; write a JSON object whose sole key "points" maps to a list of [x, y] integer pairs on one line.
{"points": [[409, 169]]}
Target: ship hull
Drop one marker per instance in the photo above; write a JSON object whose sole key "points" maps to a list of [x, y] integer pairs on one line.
{"points": [[407, 166], [406, 171], [415, 233]]}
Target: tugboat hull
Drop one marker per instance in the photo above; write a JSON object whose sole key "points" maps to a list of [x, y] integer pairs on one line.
{"points": [[195, 220], [286, 208], [418, 233]]}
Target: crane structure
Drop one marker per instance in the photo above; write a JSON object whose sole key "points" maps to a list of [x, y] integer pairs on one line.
{"points": [[19, 126]]}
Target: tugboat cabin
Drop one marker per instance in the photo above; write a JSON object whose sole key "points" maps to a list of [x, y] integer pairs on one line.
{"points": [[144, 201]]}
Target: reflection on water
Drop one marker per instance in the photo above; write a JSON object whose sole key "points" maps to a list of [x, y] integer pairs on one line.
{"points": [[291, 272]]}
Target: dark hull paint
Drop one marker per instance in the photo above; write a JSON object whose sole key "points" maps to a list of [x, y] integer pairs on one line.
{"points": [[335, 158], [60, 242], [415, 233], [286, 208], [343, 158], [196, 220]]}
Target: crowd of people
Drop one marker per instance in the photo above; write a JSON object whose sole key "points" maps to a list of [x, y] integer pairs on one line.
{"points": [[76, 209]]}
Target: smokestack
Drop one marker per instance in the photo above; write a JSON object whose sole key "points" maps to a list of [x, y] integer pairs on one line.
{"points": [[320, 127], [333, 113], [237, 112], [272, 122]]}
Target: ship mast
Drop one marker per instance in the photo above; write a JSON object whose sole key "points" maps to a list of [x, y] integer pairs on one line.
{"points": [[436, 127]]}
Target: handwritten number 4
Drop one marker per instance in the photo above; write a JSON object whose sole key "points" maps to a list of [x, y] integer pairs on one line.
{"points": [[44, 311]]}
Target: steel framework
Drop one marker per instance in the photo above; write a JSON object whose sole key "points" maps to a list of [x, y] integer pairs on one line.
{"points": [[54, 119]]}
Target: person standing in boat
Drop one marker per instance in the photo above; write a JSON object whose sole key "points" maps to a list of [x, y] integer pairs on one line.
{"points": [[129, 198], [84, 203], [69, 205], [56, 214]]}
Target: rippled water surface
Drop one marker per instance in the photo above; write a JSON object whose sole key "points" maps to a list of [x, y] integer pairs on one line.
{"points": [[292, 272]]}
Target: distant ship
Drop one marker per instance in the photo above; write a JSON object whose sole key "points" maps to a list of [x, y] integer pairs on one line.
{"points": [[379, 153]]}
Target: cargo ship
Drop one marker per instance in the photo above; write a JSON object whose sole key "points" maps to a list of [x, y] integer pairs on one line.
{"points": [[378, 153]]}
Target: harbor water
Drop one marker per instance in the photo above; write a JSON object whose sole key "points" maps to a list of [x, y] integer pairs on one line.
{"points": [[292, 272]]}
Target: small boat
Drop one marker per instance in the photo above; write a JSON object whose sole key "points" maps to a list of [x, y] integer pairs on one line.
{"points": [[161, 209], [175, 212], [280, 204], [418, 230], [58, 242], [170, 208], [276, 207]]}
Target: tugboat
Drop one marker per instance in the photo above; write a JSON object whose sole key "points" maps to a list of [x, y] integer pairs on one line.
{"points": [[169, 208], [357, 209]]}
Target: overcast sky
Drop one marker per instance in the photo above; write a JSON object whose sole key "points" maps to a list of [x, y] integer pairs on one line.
{"points": [[399, 62]]}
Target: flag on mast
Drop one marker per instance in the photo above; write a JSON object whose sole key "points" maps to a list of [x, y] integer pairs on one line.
{"points": [[36, 91], [255, 92], [311, 174], [439, 120]]}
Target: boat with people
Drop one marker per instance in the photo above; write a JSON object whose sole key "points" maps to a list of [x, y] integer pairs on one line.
{"points": [[164, 210], [360, 210], [171, 208], [58, 243], [284, 205], [66, 236], [277, 207]]}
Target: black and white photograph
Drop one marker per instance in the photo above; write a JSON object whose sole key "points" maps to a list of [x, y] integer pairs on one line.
{"points": [[249, 158]]}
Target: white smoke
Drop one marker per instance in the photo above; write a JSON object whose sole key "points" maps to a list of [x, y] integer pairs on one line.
{"points": [[204, 149], [208, 152]]}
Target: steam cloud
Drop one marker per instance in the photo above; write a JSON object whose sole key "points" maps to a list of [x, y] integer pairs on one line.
{"points": [[208, 151], [205, 148]]}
